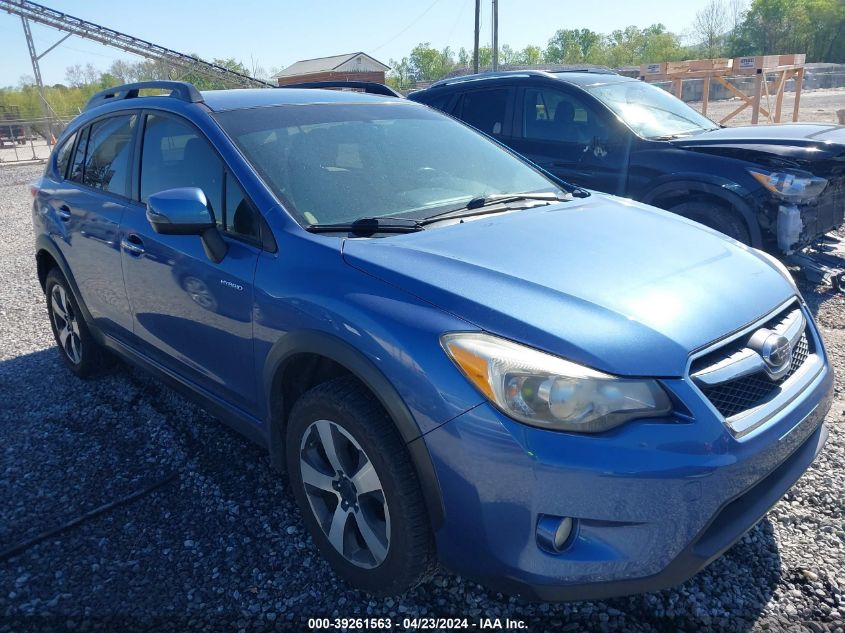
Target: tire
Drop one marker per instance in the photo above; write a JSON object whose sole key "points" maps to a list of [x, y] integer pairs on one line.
{"points": [[715, 216], [398, 552], [79, 351]]}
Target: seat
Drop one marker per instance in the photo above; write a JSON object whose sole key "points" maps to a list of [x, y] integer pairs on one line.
{"points": [[567, 129], [318, 186]]}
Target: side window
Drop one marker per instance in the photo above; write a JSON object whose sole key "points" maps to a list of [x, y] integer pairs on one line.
{"points": [[241, 220], [485, 109], [63, 156], [77, 167], [108, 158], [441, 102], [175, 155], [549, 115]]}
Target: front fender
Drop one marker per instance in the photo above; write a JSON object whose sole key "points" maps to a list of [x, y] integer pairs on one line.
{"points": [[731, 193], [344, 354]]}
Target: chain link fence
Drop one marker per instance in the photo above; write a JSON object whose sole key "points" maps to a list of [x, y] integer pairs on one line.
{"points": [[28, 140]]}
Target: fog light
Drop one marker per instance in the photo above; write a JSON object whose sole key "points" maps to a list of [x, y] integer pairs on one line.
{"points": [[553, 533]]}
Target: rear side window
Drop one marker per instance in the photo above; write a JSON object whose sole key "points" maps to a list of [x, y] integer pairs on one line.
{"points": [[109, 154], [485, 109], [175, 155], [77, 167], [441, 102], [63, 156]]}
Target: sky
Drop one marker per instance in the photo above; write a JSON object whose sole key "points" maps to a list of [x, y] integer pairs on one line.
{"points": [[276, 34]]}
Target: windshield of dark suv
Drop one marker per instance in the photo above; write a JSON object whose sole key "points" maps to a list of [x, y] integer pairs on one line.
{"points": [[651, 111], [334, 164]]}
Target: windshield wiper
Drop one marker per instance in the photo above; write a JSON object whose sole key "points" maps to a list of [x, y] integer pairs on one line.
{"points": [[478, 205], [669, 137], [365, 227]]}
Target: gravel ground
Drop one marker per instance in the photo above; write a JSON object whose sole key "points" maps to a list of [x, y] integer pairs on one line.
{"points": [[220, 544]]}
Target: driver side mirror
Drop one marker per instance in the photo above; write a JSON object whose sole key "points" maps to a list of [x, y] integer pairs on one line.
{"points": [[185, 211]]}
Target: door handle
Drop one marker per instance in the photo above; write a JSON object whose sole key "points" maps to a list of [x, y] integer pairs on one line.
{"points": [[133, 245], [64, 213]]}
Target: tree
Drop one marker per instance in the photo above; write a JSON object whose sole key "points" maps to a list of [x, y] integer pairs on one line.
{"points": [[74, 76], [709, 27], [508, 56], [124, 72], [464, 58], [814, 27], [429, 64], [531, 55], [572, 46], [774, 25], [736, 10], [401, 76], [91, 74]]}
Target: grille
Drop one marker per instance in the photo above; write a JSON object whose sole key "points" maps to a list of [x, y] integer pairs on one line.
{"points": [[736, 396]]}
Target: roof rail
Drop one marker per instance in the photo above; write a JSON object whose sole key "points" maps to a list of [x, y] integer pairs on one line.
{"points": [[549, 74], [370, 87], [180, 89], [491, 75]]}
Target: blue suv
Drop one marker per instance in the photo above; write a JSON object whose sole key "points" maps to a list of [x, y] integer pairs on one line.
{"points": [[453, 356]]}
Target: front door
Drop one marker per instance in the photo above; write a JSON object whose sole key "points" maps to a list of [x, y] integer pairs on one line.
{"points": [[191, 314], [570, 137]]}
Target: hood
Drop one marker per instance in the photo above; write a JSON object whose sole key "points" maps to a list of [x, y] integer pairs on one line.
{"points": [[808, 141], [606, 282]]}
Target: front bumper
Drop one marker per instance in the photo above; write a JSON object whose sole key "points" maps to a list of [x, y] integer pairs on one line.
{"points": [[797, 225], [655, 501]]}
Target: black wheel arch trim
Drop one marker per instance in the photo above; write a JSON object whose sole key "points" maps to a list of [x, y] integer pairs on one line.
{"points": [[44, 243], [725, 190], [344, 354]]}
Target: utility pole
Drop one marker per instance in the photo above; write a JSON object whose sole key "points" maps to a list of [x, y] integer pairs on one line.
{"points": [[495, 35], [477, 30]]}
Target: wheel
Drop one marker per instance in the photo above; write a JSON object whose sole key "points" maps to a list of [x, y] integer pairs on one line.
{"points": [[80, 352], [357, 490], [715, 216]]}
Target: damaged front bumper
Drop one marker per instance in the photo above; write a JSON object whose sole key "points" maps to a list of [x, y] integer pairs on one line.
{"points": [[798, 225]]}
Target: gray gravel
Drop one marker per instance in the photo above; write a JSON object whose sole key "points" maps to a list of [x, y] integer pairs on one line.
{"points": [[222, 545]]}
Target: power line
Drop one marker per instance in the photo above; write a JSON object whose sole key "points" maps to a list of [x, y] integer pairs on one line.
{"points": [[402, 32], [457, 19]]}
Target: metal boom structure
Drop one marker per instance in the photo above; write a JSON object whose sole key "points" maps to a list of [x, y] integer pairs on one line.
{"points": [[90, 31]]}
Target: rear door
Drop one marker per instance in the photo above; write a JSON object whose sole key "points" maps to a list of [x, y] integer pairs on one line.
{"points": [[190, 314], [572, 137], [489, 110], [89, 201]]}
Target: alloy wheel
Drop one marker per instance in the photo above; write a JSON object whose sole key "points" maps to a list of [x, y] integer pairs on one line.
{"points": [[345, 493], [66, 322]]}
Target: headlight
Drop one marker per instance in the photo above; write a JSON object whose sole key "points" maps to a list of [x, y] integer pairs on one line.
{"points": [[550, 392], [790, 185]]}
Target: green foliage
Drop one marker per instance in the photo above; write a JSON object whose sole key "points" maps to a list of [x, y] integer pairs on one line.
{"points": [[532, 55], [66, 101], [814, 27], [573, 46]]}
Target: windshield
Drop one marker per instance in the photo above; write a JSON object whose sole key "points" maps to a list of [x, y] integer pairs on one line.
{"points": [[651, 111], [333, 164]]}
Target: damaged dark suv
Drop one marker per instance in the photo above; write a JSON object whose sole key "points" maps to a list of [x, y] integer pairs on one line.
{"points": [[779, 188]]}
